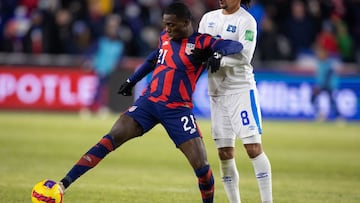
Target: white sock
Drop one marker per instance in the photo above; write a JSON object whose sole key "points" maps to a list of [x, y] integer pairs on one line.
{"points": [[262, 170], [230, 179]]}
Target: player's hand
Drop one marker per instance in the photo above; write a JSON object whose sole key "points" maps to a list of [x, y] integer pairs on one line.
{"points": [[213, 63], [201, 55], [126, 88]]}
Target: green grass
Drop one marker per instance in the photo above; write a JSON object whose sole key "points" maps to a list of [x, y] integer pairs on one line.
{"points": [[311, 162]]}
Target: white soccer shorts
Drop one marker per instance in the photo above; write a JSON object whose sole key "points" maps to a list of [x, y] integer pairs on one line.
{"points": [[236, 115]]}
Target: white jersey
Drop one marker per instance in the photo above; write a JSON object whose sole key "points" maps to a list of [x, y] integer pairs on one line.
{"points": [[236, 72]]}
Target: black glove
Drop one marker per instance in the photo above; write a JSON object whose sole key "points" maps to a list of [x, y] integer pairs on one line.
{"points": [[213, 63], [126, 88], [201, 55]]}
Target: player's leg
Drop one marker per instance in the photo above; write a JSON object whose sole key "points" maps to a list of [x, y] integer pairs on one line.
{"points": [[316, 91], [104, 96], [228, 169], [195, 152], [250, 133], [124, 129], [133, 123], [95, 103], [184, 132], [262, 166], [333, 105], [224, 138]]}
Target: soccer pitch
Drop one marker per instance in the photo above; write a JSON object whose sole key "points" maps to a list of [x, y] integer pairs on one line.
{"points": [[311, 162]]}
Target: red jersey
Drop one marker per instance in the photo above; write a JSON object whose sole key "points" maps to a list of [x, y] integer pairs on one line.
{"points": [[176, 70]]}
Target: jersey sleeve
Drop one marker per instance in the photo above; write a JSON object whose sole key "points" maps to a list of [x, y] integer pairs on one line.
{"points": [[227, 47], [224, 46], [248, 37], [147, 67]]}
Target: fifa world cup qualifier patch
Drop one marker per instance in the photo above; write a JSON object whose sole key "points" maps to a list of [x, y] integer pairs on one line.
{"points": [[249, 35]]}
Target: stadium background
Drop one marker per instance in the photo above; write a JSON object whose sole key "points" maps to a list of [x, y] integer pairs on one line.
{"points": [[51, 76]]}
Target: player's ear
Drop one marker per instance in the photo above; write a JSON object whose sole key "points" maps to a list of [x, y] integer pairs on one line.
{"points": [[186, 22]]}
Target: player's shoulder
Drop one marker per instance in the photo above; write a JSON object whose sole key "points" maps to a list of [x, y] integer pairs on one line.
{"points": [[213, 13], [244, 20], [244, 14], [202, 36]]}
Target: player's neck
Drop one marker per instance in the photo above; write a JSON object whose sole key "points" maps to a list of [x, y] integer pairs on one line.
{"points": [[228, 11]]}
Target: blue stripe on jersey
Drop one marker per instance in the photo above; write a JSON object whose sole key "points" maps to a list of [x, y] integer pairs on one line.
{"points": [[180, 65], [177, 70], [255, 110]]}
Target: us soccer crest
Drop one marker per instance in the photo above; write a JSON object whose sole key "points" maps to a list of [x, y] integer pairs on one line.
{"points": [[189, 47]]}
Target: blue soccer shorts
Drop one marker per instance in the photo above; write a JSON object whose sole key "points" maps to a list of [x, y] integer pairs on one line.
{"points": [[180, 123]]}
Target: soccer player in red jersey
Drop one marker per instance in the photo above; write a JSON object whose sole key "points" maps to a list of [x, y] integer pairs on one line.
{"points": [[176, 66]]}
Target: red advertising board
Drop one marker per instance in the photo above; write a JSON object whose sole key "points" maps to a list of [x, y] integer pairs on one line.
{"points": [[45, 88]]}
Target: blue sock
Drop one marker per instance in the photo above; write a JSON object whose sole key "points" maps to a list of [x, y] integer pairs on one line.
{"points": [[90, 159], [206, 183]]}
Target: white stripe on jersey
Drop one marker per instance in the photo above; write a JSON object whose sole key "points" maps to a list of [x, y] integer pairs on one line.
{"points": [[236, 72]]}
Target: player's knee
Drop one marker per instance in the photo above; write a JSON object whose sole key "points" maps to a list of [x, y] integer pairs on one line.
{"points": [[253, 150], [194, 150], [226, 153], [197, 161]]}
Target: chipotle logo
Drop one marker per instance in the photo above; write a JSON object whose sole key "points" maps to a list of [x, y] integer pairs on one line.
{"points": [[45, 88]]}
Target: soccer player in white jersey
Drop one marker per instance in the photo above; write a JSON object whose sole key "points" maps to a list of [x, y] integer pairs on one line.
{"points": [[235, 110]]}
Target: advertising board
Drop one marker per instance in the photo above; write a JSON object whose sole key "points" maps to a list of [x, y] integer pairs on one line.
{"points": [[283, 94], [287, 95], [45, 88]]}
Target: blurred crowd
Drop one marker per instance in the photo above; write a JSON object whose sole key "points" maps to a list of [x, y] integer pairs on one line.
{"points": [[286, 28]]}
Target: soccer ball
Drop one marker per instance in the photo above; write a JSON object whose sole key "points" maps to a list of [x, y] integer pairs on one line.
{"points": [[47, 191]]}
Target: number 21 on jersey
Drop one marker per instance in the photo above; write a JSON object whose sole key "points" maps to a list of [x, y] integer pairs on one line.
{"points": [[162, 55]]}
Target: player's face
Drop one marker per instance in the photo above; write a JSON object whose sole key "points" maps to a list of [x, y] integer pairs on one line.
{"points": [[229, 6], [175, 27]]}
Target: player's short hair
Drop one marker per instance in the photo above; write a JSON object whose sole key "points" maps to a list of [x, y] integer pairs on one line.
{"points": [[179, 9]]}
